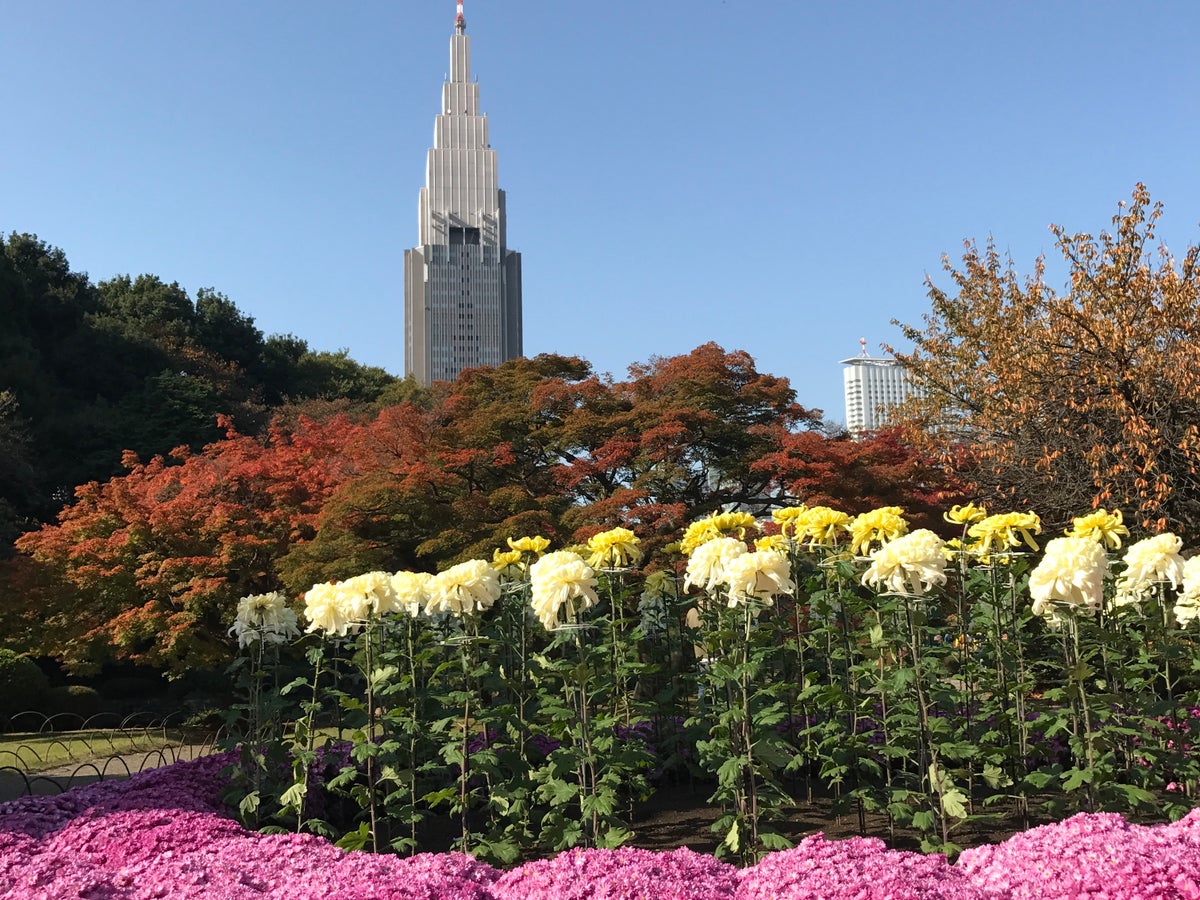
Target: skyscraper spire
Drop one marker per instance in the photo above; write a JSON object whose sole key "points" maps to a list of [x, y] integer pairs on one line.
{"points": [[460, 23]]}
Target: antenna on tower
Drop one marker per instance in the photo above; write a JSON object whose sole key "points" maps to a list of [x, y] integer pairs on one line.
{"points": [[863, 343], [460, 22]]}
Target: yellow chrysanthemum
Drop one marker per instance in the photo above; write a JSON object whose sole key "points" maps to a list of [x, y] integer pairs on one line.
{"points": [[778, 543], [731, 524], [822, 526], [965, 515], [786, 518], [908, 564], [614, 549], [508, 564], [1004, 531], [534, 545], [877, 526], [1102, 526]]}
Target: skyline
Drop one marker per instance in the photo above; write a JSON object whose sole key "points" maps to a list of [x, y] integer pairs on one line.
{"points": [[777, 179]]}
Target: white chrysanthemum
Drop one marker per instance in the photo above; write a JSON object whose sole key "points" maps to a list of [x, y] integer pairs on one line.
{"points": [[561, 580], [1072, 572], [412, 591], [910, 564], [706, 565], [265, 617], [758, 577], [1150, 562], [325, 609], [464, 590], [1187, 607], [371, 594]]}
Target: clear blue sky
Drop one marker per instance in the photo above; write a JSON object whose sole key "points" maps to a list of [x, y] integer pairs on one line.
{"points": [[779, 178]]}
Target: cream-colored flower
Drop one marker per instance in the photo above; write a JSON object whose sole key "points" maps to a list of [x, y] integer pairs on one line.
{"points": [[561, 581], [758, 577], [326, 611], [1071, 572], [877, 526], [1004, 531], [266, 618], [466, 589], [1150, 562], [706, 565], [786, 518], [909, 564], [370, 594], [822, 526], [1102, 526], [1187, 607], [412, 591], [614, 549]]}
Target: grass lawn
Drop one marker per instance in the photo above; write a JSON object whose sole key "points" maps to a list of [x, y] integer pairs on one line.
{"points": [[33, 752]]}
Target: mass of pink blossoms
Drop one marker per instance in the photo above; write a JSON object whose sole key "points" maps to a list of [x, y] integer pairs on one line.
{"points": [[165, 834]]}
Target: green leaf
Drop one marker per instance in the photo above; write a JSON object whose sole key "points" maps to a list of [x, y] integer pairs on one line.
{"points": [[293, 797], [1073, 778], [355, 840], [772, 841], [732, 838]]}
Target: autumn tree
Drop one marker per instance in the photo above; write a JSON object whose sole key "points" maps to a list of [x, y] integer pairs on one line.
{"points": [[1068, 399]]}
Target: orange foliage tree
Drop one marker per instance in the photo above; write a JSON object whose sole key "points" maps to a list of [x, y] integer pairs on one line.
{"points": [[1072, 399]]}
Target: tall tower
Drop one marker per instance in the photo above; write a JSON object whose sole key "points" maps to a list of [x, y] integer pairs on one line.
{"points": [[872, 385], [462, 285]]}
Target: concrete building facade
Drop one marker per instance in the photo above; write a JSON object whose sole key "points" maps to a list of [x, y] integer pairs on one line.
{"points": [[462, 285], [872, 385]]}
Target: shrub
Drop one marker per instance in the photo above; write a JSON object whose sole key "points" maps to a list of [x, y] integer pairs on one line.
{"points": [[23, 686], [77, 699]]}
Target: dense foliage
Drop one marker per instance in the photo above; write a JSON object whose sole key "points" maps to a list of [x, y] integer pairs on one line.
{"points": [[145, 566], [88, 371], [1071, 398]]}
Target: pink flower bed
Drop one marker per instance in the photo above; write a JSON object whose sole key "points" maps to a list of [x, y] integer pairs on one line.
{"points": [[164, 834]]}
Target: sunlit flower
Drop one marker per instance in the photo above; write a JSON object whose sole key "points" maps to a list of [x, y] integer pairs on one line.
{"points": [[614, 549], [561, 581], [716, 526], [777, 542], [464, 590], [786, 518], [265, 617], [1102, 526], [877, 526], [325, 609], [757, 577], [1071, 572], [909, 564], [1187, 607], [1003, 532], [822, 526], [706, 565], [509, 564], [532, 545], [1149, 562], [370, 594], [412, 591], [965, 515]]}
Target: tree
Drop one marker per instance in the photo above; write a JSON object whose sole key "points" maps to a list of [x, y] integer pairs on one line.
{"points": [[1072, 399]]}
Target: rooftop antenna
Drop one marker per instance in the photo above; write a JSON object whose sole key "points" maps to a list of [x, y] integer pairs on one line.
{"points": [[863, 343], [460, 23]]}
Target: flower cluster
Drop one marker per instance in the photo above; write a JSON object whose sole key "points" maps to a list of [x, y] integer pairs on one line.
{"points": [[467, 589], [163, 833], [876, 527], [613, 549], [716, 526]]}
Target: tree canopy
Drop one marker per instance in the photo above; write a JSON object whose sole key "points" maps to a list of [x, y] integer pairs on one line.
{"points": [[1069, 399]]}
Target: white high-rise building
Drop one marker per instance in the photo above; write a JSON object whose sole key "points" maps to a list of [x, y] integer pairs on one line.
{"points": [[462, 285], [872, 385]]}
